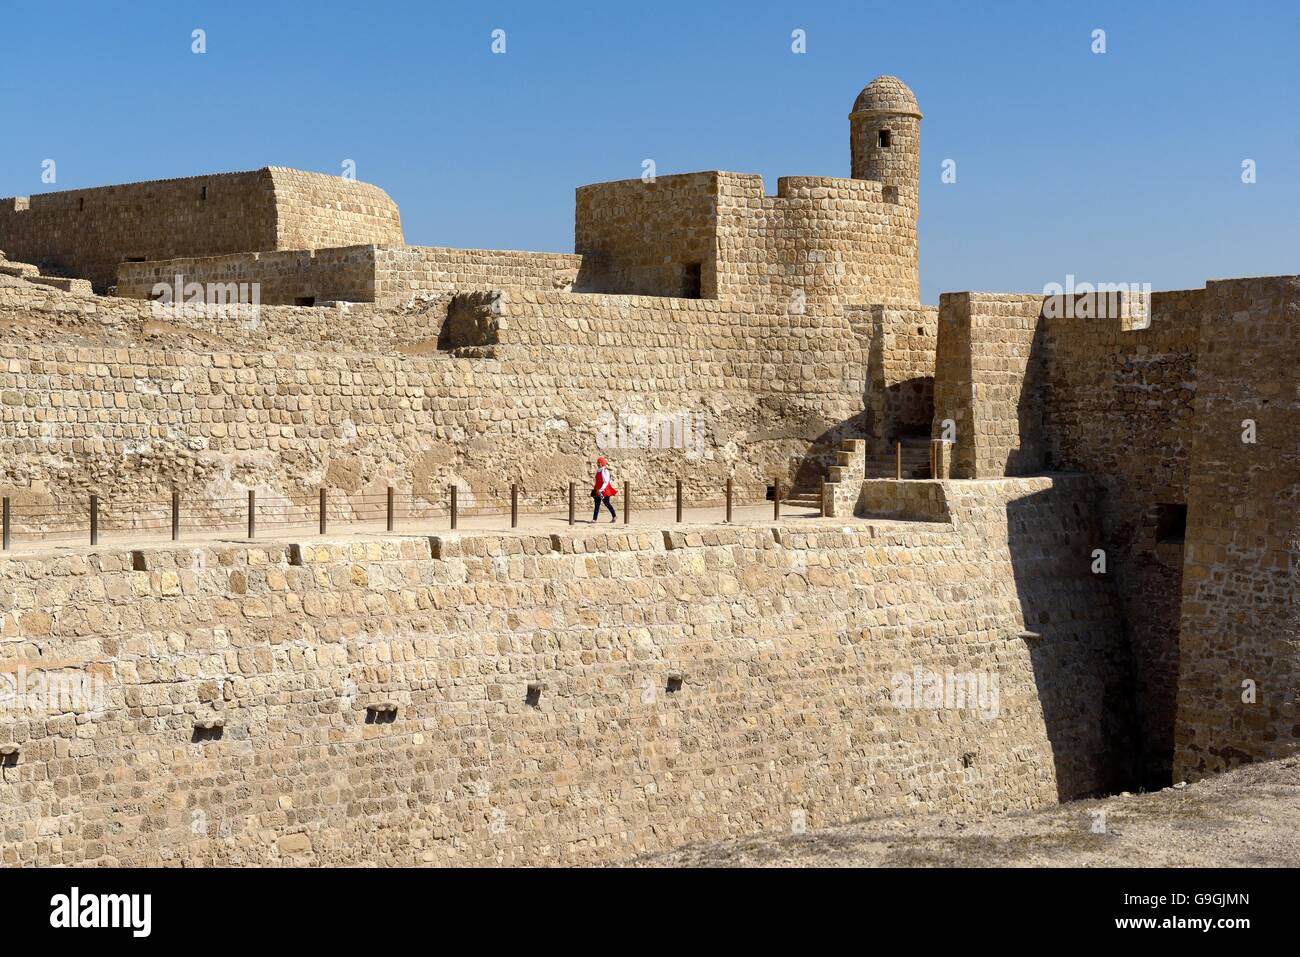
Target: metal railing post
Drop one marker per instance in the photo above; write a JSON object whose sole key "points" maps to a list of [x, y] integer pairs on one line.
{"points": [[898, 461], [322, 511], [514, 505], [776, 498], [454, 508], [252, 514], [627, 503], [728, 500], [679, 500], [94, 519], [176, 516], [390, 508], [4, 524], [571, 490]]}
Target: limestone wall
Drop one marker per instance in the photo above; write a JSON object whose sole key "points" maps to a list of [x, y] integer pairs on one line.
{"points": [[1155, 415], [1117, 404], [390, 275], [406, 271], [819, 239], [317, 211], [96, 396], [1239, 643], [984, 383], [347, 273], [787, 649], [642, 237], [88, 232], [901, 364]]}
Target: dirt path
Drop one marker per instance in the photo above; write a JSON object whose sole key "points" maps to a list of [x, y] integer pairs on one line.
{"points": [[1248, 817]]}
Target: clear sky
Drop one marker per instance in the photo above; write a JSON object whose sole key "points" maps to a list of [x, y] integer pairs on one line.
{"points": [[1124, 166]]}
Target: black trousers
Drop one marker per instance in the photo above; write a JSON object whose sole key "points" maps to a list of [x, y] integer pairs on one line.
{"points": [[599, 500]]}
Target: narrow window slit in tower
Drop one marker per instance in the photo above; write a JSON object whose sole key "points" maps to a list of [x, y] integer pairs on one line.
{"points": [[883, 139], [534, 697]]}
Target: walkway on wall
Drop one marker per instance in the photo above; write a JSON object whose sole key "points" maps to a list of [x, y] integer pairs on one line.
{"points": [[650, 519]]}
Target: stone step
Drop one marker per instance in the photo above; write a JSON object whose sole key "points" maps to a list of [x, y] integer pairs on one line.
{"points": [[21, 270], [61, 282]]}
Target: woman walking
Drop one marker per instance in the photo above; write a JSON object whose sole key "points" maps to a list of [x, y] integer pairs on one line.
{"points": [[602, 490]]}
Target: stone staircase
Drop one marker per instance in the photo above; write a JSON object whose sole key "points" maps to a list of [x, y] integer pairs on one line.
{"points": [[852, 466], [842, 483], [803, 498], [916, 460]]}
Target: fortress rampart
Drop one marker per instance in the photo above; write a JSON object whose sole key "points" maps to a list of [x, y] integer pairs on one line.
{"points": [[717, 235], [531, 673], [792, 647], [388, 275], [114, 399], [1142, 409], [88, 232]]}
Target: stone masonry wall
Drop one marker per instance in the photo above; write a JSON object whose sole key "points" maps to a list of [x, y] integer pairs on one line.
{"points": [[640, 237], [1241, 577], [344, 274], [97, 396], [819, 239], [390, 275], [1117, 404], [690, 685], [88, 232], [984, 384], [901, 363], [317, 211]]}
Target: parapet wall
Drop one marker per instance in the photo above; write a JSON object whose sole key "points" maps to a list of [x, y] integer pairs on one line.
{"points": [[98, 396], [1116, 402], [983, 383], [643, 237], [1156, 414], [86, 233], [901, 364], [688, 685], [819, 239], [297, 276], [1239, 642], [316, 211], [389, 275]]}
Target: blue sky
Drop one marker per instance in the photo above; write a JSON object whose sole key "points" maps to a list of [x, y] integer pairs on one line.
{"points": [[1116, 167]]}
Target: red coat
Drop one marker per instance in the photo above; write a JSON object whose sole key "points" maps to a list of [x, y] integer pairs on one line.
{"points": [[602, 485]]}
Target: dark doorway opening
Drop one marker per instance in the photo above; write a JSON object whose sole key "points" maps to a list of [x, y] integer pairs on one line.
{"points": [[1171, 524], [692, 280]]}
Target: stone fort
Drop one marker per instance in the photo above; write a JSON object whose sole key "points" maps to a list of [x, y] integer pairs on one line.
{"points": [[1089, 500]]}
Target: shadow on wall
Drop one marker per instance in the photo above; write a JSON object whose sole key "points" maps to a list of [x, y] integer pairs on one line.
{"points": [[813, 467], [1028, 457], [1074, 632], [909, 409]]}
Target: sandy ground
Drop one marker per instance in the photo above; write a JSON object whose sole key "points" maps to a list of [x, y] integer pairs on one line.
{"points": [[1249, 817]]}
